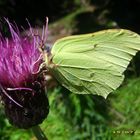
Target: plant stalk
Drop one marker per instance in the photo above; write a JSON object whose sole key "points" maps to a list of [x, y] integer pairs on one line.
{"points": [[39, 133]]}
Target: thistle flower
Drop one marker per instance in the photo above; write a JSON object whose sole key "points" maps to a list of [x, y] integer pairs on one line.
{"points": [[22, 83]]}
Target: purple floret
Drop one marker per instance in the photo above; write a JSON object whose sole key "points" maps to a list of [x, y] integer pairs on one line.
{"points": [[20, 58]]}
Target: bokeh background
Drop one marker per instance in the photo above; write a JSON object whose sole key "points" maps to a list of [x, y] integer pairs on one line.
{"points": [[81, 117]]}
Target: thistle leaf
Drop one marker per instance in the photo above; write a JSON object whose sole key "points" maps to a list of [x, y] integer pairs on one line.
{"points": [[94, 63]]}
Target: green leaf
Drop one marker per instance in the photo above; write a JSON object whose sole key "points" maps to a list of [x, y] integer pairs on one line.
{"points": [[94, 63]]}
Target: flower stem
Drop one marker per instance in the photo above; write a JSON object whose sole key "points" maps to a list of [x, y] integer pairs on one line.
{"points": [[39, 133]]}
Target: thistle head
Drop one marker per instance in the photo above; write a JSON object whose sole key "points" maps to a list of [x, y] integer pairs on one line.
{"points": [[20, 58], [21, 79]]}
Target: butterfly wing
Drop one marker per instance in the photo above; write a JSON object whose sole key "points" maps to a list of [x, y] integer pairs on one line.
{"points": [[94, 63]]}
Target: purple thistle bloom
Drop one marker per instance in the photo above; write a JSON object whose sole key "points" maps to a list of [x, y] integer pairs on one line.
{"points": [[20, 59], [22, 81]]}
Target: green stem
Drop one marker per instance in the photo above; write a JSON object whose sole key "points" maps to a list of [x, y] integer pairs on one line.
{"points": [[39, 133]]}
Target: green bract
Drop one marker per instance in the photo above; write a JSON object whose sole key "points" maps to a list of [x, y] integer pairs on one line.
{"points": [[94, 63]]}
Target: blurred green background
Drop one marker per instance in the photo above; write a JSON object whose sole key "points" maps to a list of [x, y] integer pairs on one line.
{"points": [[81, 117]]}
